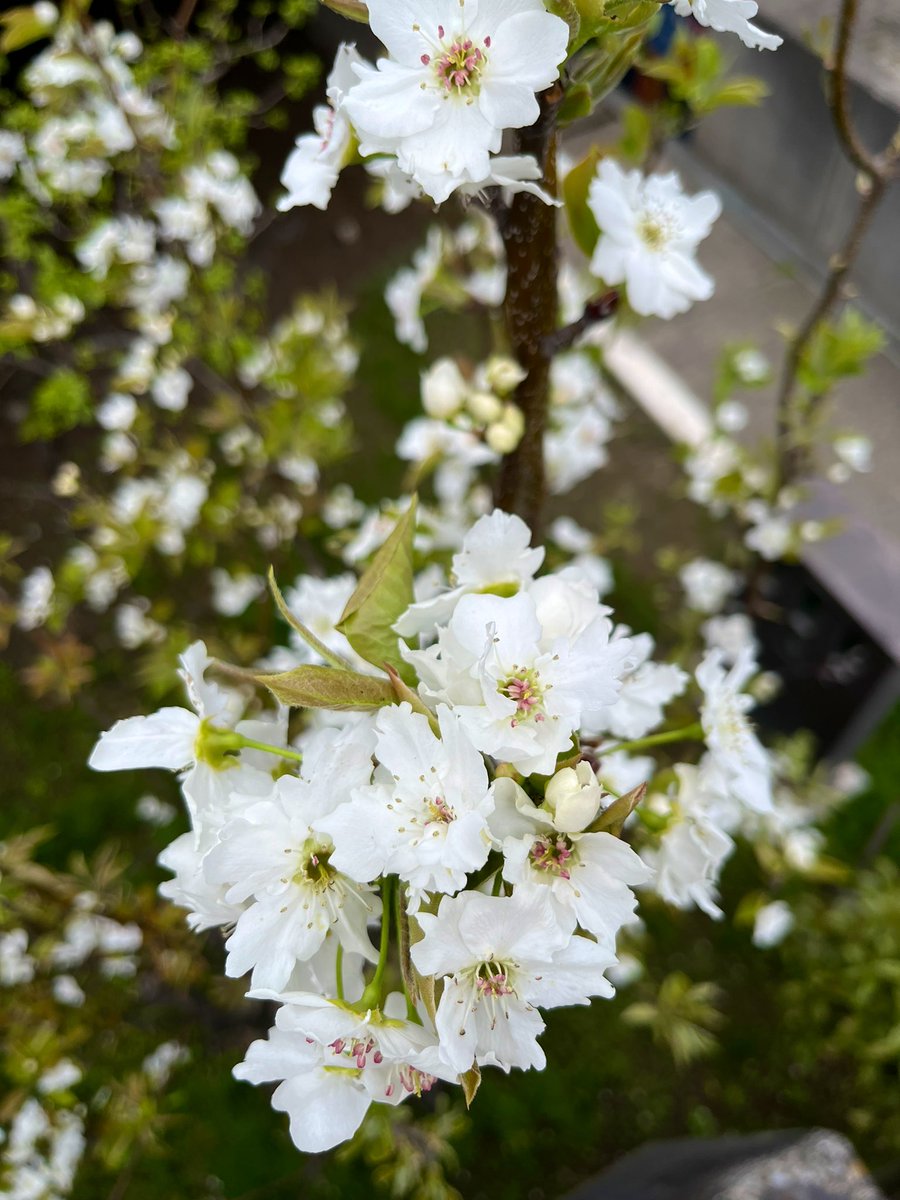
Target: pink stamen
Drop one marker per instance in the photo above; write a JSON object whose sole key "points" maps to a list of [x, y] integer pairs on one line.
{"points": [[426, 59]]}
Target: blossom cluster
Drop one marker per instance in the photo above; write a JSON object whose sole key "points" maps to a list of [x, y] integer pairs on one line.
{"points": [[448, 858], [429, 117]]}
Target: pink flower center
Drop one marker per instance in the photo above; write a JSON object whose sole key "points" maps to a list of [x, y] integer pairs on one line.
{"points": [[440, 812], [458, 65], [492, 980], [552, 855], [525, 691], [357, 1049]]}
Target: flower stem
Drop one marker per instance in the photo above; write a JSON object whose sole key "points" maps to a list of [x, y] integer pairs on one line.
{"points": [[339, 971], [281, 751], [688, 733], [374, 993]]}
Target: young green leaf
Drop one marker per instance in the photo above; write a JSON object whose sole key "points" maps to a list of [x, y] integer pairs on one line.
{"points": [[382, 595], [326, 687], [307, 634], [575, 189], [354, 10]]}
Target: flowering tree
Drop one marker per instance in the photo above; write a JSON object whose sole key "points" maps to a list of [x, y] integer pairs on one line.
{"points": [[433, 813]]}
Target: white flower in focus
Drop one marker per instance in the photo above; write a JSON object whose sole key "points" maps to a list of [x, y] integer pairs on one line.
{"points": [[459, 73], [522, 673], [707, 584], [729, 16], [496, 555], [271, 858], [333, 1063], [587, 877], [733, 745], [313, 166], [500, 958], [649, 233], [772, 924], [425, 818], [175, 739]]}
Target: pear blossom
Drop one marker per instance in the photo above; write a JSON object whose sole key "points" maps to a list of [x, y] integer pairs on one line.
{"points": [[649, 233], [177, 739], [522, 672], [587, 877], [457, 75], [707, 584], [496, 555], [334, 1062], [425, 817], [733, 635], [646, 688], [694, 846], [729, 16], [272, 858], [732, 743], [772, 924], [501, 958], [313, 166]]}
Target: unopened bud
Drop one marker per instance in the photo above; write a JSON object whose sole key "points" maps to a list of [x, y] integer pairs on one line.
{"points": [[504, 435], [574, 796], [444, 390], [484, 407], [503, 374]]}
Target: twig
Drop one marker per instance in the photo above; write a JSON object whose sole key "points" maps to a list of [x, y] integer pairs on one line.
{"points": [[876, 172], [600, 308]]}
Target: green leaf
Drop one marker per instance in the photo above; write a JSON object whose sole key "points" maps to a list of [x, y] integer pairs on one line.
{"points": [[307, 634], [383, 594], [568, 10], [577, 103], [612, 819], [20, 28], [470, 1083], [354, 10], [326, 687], [576, 186]]}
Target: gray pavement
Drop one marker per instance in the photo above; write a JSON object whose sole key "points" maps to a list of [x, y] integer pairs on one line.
{"points": [[875, 54]]}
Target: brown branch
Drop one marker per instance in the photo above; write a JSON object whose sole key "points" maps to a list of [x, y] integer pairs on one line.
{"points": [[600, 308], [529, 235], [876, 171]]}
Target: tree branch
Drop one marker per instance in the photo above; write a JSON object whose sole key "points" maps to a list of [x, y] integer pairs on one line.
{"points": [[876, 172]]}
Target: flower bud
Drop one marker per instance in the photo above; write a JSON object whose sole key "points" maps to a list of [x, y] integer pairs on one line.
{"points": [[484, 407], [504, 435], [503, 374], [574, 796], [444, 390]]}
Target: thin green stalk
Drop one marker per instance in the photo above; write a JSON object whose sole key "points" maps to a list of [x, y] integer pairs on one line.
{"points": [[339, 971], [283, 752], [374, 993], [688, 733]]}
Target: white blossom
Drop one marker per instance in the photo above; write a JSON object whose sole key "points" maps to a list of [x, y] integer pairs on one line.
{"points": [[729, 16], [457, 75], [649, 233], [501, 958]]}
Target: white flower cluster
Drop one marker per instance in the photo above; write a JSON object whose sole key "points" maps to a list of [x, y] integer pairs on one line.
{"points": [[430, 116], [463, 815]]}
